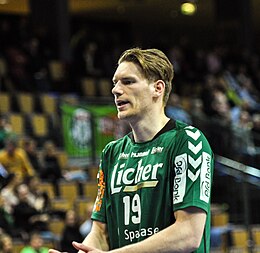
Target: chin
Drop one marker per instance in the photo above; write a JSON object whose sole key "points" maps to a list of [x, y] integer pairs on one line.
{"points": [[123, 115]]}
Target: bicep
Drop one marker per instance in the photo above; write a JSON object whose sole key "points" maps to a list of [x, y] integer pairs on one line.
{"points": [[193, 219]]}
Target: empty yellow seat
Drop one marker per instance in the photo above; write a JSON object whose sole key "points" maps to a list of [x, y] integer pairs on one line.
{"points": [[5, 105], [17, 123], [90, 190], [89, 87], [25, 102], [39, 125]]}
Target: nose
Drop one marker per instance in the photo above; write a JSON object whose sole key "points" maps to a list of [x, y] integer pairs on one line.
{"points": [[117, 89]]}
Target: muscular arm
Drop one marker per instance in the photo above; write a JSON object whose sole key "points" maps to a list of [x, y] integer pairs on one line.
{"points": [[182, 237]]}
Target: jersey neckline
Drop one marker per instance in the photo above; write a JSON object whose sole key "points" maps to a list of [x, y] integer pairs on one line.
{"points": [[168, 126]]}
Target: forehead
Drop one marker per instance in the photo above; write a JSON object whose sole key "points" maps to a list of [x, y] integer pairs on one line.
{"points": [[127, 69]]}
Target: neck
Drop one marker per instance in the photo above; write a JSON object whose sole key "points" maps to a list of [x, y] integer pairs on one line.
{"points": [[144, 130]]}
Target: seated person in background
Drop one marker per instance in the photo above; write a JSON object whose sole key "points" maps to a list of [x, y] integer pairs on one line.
{"points": [[85, 227], [8, 192], [38, 198], [35, 244], [30, 147], [27, 218], [6, 243], [5, 130], [6, 219], [51, 167], [175, 110], [15, 160], [71, 232]]}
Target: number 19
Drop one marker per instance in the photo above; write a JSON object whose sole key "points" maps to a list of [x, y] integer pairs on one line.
{"points": [[135, 208]]}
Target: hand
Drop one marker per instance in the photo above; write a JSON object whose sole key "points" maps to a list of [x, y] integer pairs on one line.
{"points": [[54, 251], [83, 248], [80, 247]]}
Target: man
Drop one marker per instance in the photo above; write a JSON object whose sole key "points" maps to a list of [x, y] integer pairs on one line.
{"points": [[15, 160], [154, 184]]}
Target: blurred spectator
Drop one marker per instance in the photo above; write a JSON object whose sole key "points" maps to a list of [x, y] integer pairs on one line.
{"points": [[85, 227], [174, 109], [249, 94], [15, 160], [71, 232], [35, 244], [198, 116], [219, 131], [3, 176], [220, 107], [213, 62], [37, 198], [51, 167], [6, 243], [206, 94], [8, 192], [27, 218], [256, 137], [38, 64], [243, 143], [18, 71], [256, 129], [30, 147], [5, 130], [6, 219], [91, 59]]}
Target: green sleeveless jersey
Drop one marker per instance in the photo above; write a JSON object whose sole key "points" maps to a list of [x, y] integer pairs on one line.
{"points": [[140, 185]]}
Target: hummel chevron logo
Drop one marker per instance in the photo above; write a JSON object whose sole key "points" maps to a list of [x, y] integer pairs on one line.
{"points": [[195, 135], [195, 163], [192, 176], [193, 148]]}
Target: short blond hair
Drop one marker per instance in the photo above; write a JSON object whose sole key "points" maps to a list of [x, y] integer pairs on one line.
{"points": [[154, 65]]}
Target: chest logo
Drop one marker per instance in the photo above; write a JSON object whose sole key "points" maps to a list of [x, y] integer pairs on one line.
{"points": [[132, 179]]}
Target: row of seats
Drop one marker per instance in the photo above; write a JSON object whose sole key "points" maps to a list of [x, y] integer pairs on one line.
{"points": [[70, 197], [69, 191], [96, 87], [27, 102], [39, 126], [237, 235]]}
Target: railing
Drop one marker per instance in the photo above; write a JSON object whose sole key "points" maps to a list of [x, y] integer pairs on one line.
{"points": [[246, 175], [238, 170]]}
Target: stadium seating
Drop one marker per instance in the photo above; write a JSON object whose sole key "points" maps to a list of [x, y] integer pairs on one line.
{"points": [[17, 122], [90, 190], [69, 191], [89, 87], [48, 103], [25, 102], [48, 188], [5, 105]]}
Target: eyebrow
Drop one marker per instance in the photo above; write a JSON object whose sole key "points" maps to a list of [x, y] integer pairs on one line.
{"points": [[127, 78]]}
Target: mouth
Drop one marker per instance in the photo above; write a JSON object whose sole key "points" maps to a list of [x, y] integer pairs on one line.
{"points": [[121, 103]]}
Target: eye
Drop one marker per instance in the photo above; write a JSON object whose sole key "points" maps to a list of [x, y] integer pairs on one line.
{"points": [[128, 81]]}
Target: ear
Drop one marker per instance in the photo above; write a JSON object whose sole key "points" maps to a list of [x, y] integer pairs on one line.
{"points": [[159, 87]]}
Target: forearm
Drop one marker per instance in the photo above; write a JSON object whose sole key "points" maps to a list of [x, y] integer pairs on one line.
{"points": [[97, 238], [182, 237], [162, 242]]}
